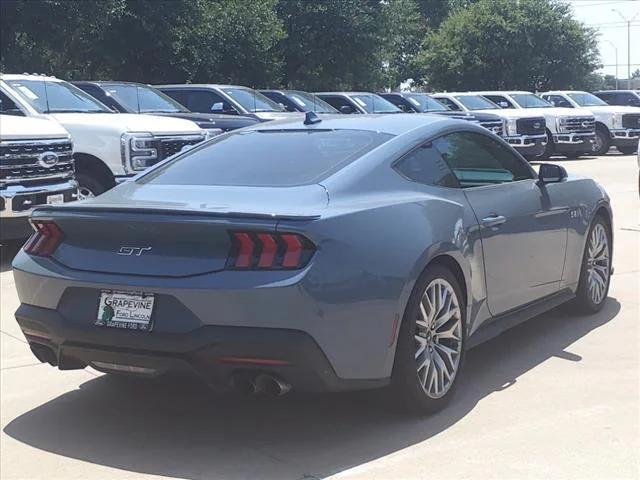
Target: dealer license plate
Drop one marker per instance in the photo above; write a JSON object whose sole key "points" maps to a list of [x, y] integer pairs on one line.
{"points": [[130, 310], [55, 199]]}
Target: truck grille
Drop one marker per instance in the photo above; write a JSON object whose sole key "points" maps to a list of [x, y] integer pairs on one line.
{"points": [[495, 126], [631, 120], [170, 146], [27, 163], [578, 125], [531, 126]]}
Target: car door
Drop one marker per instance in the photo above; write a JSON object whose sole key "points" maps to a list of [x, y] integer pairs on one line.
{"points": [[523, 225]]}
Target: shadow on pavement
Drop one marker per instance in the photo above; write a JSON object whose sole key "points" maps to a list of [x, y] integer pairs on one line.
{"points": [[8, 250], [178, 428]]}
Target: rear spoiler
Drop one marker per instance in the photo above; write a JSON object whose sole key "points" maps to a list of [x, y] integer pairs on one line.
{"points": [[48, 211]]}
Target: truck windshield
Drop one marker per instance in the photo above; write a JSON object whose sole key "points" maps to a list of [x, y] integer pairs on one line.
{"points": [[425, 103], [47, 96], [142, 99], [251, 100], [585, 99], [476, 102], [309, 102], [529, 100], [373, 103]]}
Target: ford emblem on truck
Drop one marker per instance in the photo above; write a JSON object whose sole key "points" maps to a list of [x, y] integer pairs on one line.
{"points": [[48, 159]]}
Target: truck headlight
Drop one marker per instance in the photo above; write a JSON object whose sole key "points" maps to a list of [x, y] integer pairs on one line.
{"points": [[616, 120], [138, 151], [512, 127], [560, 124]]}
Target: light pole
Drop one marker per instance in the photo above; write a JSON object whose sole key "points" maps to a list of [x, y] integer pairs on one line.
{"points": [[628, 22], [616, 50]]}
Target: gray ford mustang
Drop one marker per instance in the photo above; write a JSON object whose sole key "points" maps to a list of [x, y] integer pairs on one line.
{"points": [[350, 252]]}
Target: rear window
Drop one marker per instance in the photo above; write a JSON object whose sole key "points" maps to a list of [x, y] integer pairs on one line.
{"points": [[268, 158]]}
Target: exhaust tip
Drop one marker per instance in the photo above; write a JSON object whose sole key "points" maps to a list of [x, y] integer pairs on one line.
{"points": [[243, 383], [271, 385]]}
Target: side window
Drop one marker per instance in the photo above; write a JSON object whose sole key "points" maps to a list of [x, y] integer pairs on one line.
{"points": [[99, 95], [178, 95], [337, 102], [280, 99], [425, 165], [499, 100], [477, 160], [449, 103], [558, 101], [607, 97], [628, 99], [9, 107], [204, 101]]}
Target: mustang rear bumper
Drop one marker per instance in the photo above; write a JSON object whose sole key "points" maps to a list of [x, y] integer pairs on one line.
{"points": [[213, 353]]}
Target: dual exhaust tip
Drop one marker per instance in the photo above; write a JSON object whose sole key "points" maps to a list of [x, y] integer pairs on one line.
{"points": [[259, 384]]}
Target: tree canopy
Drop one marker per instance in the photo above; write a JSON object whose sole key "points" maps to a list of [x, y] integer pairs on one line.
{"points": [[312, 45]]}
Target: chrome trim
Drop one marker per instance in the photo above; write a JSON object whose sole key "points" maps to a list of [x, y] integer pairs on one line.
{"points": [[125, 146], [574, 138], [522, 138], [33, 165], [30, 178], [12, 191]]}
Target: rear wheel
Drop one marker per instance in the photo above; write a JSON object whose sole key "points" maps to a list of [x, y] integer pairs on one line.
{"points": [[431, 343], [628, 150], [602, 142], [595, 273]]}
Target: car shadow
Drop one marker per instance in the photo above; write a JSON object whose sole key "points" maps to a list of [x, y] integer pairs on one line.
{"points": [[178, 428], [8, 250]]}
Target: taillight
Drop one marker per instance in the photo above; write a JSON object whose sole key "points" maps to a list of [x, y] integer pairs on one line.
{"points": [[269, 251], [46, 238]]}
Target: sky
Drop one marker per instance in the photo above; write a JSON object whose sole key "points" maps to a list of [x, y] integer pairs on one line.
{"points": [[599, 14]]}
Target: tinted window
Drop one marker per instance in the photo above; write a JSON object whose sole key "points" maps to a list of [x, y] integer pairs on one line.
{"points": [[499, 100], [309, 102], [425, 165], [424, 103], [142, 99], [585, 99], [337, 102], [8, 106], [202, 101], [280, 99], [605, 96], [449, 103], [529, 100], [55, 97], [252, 100], [559, 101], [272, 158], [627, 98], [479, 160], [476, 102], [372, 103]]}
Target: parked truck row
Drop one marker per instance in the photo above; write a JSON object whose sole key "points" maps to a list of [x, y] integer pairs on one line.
{"points": [[64, 141]]}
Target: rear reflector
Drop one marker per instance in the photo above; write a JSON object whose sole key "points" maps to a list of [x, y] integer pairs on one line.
{"points": [[269, 251], [253, 361], [44, 241]]}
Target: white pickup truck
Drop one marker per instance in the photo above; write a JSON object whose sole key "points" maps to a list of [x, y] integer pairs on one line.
{"points": [[108, 146], [36, 167], [616, 125], [569, 132], [524, 130]]}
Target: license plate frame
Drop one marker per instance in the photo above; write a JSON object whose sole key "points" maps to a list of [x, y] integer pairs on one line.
{"points": [[55, 199], [125, 310]]}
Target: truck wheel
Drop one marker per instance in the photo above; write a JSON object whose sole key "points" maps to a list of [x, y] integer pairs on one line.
{"points": [[89, 186], [548, 148], [431, 343], [628, 150], [602, 142], [572, 155]]}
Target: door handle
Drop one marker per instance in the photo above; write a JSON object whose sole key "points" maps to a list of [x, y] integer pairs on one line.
{"points": [[493, 220]]}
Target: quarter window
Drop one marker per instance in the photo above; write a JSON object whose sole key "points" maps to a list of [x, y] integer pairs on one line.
{"points": [[479, 160], [425, 165]]}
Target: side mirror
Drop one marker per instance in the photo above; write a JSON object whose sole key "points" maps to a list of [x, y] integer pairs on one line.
{"points": [[551, 173], [347, 109]]}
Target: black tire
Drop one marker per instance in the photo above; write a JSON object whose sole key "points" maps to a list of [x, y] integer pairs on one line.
{"points": [[406, 389], [628, 150], [548, 148], [572, 155], [89, 185], [584, 303], [603, 142]]}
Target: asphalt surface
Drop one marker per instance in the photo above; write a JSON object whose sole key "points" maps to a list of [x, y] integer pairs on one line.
{"points": [[555, 398]]}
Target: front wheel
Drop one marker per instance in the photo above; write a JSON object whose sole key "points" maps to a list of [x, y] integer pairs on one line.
{"points": [[431, 343], [548, 148], [89, 186], [601, 143], [595, 272], [628, 150]]}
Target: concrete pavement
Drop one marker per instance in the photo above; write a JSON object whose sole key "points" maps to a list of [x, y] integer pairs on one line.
{"points": [[555, 398]]}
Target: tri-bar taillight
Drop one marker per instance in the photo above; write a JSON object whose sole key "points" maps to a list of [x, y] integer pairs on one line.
{"points": [[46, 238], [269, 251]]}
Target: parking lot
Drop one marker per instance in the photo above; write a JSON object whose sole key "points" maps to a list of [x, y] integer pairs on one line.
{"points": [[556, 397]]}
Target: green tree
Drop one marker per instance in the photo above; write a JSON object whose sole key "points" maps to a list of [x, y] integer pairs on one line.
{"points": [[501, 44], [333, 44]]}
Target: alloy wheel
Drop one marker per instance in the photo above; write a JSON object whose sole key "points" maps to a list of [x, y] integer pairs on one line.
{"points": [[598, 263], [84, 193], [438, 338]]}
